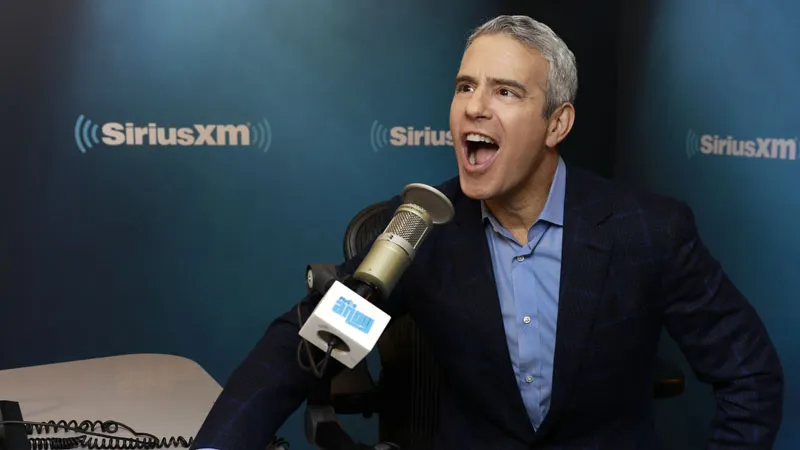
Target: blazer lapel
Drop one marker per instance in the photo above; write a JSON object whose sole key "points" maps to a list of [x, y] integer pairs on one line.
{"points": [[584, 266], [585, 252], [473, 277]]}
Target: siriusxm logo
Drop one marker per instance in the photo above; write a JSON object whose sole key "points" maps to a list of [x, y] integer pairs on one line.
{"points": [[128, 134], [381, 136], [347, 309], [762, 147]]}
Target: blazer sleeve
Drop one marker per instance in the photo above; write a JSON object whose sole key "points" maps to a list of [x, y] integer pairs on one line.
{"points": [[723, 339], [269, 385], [262, 392]]}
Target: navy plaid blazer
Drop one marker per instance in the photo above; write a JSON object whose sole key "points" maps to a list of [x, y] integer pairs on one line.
{"points": [[632, 263]]}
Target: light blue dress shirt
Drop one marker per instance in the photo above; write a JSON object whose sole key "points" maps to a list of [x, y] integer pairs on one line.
{"points": [[528, 278]]}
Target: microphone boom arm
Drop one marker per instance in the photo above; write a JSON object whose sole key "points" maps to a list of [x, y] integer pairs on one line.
{"points": [[322, 427], [354, 329]]}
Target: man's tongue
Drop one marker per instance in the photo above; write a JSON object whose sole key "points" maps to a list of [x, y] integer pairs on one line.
{"points": [[484, 154]]}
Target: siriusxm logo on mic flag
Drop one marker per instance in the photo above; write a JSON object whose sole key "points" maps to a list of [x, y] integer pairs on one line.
{"points": [[89, 135], [758, 148], [343, 313], [358, 320], [407, 136]]}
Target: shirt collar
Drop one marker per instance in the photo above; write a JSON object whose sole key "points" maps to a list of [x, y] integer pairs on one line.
{"points": [[553, 210]]}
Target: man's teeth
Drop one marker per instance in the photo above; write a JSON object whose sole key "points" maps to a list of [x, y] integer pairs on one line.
{"points": [[473, 137]]}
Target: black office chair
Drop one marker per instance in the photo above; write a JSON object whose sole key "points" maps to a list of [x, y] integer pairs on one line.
{"points": [[406, 397]]}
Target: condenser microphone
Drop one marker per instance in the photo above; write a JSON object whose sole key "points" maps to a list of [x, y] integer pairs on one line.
{"points": [[344, 323], [394, 249]]}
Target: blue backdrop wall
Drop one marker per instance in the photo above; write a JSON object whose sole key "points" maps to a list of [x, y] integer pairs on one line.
{"points": [[709, 114], [113, 243], [110, 248]]}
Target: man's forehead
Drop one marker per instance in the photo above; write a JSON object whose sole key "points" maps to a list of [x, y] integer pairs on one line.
{"points": [[501, 56], [491, 70]]}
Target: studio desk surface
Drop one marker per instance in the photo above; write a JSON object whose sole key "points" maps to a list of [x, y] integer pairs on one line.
{"points": [[163, 395]]}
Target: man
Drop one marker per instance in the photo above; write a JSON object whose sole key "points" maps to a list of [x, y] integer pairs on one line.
{"points": [[544, 298]]}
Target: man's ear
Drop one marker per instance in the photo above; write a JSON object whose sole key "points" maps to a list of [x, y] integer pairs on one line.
{"points": [[560, 124]]}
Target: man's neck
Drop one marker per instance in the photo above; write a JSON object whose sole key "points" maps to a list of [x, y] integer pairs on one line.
{"points": [[518, 211]]}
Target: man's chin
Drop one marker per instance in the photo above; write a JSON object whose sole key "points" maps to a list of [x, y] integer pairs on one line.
{"points": [[476, 189]]}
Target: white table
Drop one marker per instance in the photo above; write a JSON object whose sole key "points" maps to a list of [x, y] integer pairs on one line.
{"points": [[163, 395]]}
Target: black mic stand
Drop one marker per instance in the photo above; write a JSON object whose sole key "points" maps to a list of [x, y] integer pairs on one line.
{"points": [[322, 427]]}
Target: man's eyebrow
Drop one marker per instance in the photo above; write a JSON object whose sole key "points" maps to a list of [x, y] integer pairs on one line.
{"points": [[494, 81], [464, 79]]}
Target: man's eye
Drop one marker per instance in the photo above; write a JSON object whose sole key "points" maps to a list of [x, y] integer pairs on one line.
{"points": [[507, 92], [464, 88]]}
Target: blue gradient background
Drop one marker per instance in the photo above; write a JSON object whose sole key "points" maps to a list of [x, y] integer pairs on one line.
{"points": [[726, 69], [194, 250]]}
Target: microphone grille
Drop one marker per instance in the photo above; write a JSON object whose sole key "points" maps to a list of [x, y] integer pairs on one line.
{"points": [[410, 224]]}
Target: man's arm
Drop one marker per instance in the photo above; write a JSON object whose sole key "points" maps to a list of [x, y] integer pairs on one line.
{"points": [[264, 390], [723, 340]]}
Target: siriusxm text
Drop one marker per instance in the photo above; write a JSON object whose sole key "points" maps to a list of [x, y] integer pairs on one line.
{"points": [[358, 320], [408, 136], [128, 134], [767, 148]]}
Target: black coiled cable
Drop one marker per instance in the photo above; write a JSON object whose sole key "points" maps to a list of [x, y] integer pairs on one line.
{"points": [[56, 443], [122, 443], [108, 426], [102, 439]]}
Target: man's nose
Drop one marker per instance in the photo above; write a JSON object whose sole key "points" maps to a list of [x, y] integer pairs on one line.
{"points": [[478, 105]]}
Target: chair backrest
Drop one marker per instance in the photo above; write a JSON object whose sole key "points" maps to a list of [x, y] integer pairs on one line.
{"points": [[408, 387], [363, 228]]}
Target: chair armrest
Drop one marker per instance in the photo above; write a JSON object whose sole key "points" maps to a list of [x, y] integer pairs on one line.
{"points": [[669, 380]]}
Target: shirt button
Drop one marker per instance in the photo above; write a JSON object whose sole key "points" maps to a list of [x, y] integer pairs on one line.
{"points": [[526, 319], [520, 258], [529, 379]]}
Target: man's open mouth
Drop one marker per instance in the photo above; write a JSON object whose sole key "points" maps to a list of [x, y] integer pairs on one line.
{"points": [[481, 149]]}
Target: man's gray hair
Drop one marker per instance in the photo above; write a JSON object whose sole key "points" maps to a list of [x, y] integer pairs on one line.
{"points": [[562, 76]]}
